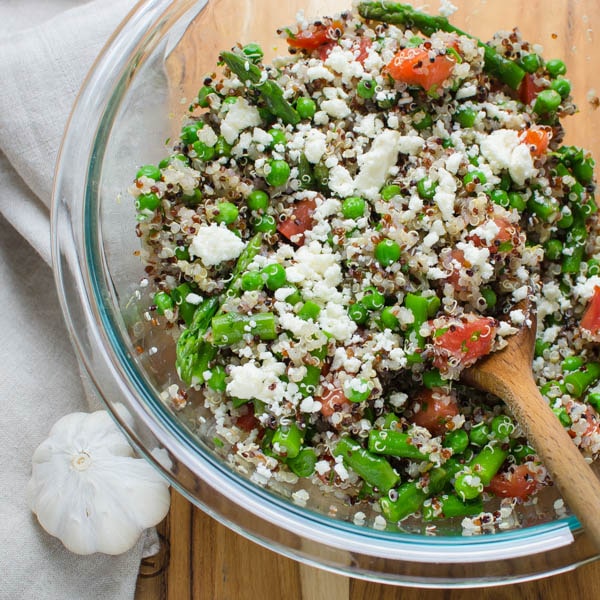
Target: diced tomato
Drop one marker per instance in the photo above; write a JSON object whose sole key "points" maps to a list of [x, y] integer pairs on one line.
{"points": [[528, 90], [298, 222], [590, 322], [325, 49], [457, 262], [506, 231], [316, 35], [247, 422], [332, 401], [363, 49], [462, 342], [415, 67], [517, 482], [434, 409], [538, 139]]}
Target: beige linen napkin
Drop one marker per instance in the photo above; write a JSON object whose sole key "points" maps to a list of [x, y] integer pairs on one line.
{"points": [[46, 48]]}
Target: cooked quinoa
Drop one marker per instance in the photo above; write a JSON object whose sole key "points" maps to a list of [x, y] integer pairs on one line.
{"points": [[338, 234]]}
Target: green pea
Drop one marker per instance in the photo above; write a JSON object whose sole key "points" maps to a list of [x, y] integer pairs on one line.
{"points": [[458, 440], [447, 143], [547, 101], [279, 173], [265, 224], [422, 121], [194, 198], [278, 137], [388, 319], [556, 67], [353, 207], [163, 302], [274, 276], [562, 86], [189, 133], [433, 379], [357, 390], [540, 347], [489, 296], [584, 170], [149, 171], [500, 197], [594, 400], [572, 363], [387, 252], [502, 426], [365, 89], [480, 434], [252, 280], [517, 201], [474, 177], [390, 191], [373, 299], [182, 253], [426, 188], [229, 100], [203, 151], [522, 452], [593, 267], [203, 94], [306, 107], [309, 310], [253, 52], [566, 219], [165, 162], [553, 249], [563, 416], [465, 117], [358, 313], [227, 213], [147, 201], [531, 62], [258, 200], [303, 465], [223, 147], [217, 379]]}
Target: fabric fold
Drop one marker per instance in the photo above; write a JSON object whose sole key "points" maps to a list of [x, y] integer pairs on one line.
{"points": [[47, 48]]}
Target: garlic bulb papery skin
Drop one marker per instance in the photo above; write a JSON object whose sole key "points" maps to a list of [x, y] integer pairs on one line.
{"points": [[88, 489]]}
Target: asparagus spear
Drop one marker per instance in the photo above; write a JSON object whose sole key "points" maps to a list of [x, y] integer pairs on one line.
{"points": [[268, 89], [193, 354], [395, 13]]}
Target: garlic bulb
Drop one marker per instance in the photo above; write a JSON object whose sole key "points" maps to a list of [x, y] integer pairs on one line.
{"points": [[88, 489]]}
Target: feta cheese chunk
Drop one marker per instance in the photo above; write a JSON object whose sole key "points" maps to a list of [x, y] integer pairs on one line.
{"points": [[241, 115], [214, 244]]}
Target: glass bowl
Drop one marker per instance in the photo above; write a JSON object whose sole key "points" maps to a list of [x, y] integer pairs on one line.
{"points": [[131, 103]]}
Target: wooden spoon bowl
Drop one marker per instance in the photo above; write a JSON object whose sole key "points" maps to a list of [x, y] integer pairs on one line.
{"points": [[508, 374]]}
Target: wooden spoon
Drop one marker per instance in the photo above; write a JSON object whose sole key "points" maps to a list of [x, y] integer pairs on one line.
{"points": [[508, 375]]}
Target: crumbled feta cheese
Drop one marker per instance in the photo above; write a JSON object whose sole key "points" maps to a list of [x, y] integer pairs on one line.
{"points": [[214, 244], [241, 115], [249, 381], [377, 162], [315, 146], [336, 108]]}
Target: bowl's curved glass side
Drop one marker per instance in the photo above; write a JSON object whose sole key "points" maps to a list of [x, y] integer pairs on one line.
{"points": [[99, 277]]}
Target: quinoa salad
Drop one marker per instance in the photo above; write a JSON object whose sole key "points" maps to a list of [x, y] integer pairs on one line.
{"points": [[338, 233]]}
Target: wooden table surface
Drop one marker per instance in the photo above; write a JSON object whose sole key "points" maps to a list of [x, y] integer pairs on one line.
{"points": [[205, 560]]}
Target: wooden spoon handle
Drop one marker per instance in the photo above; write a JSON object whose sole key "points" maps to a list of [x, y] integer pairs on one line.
{"points": [[578, 484]]}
